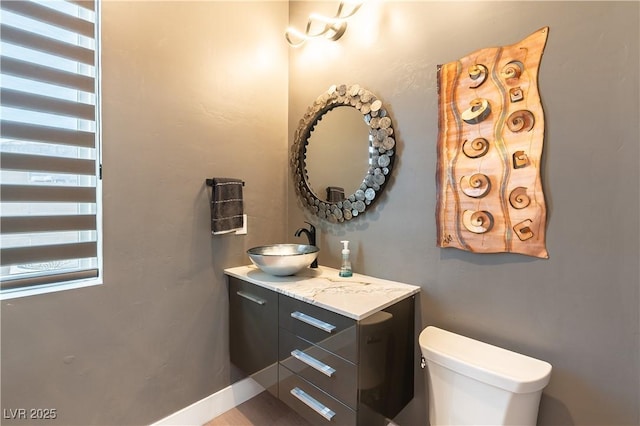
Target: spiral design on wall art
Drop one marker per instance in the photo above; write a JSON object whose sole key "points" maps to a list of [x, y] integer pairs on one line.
{"points": [[523, 230], [516, 94], [476, 148], [479, 110], [519, 198], [513, 70], [477, 222], [477, 73], [521, 121], [475, 186], [520, 159]]}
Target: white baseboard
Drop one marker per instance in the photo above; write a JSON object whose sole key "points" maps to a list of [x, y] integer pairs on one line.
{"points": [[212, 406]]}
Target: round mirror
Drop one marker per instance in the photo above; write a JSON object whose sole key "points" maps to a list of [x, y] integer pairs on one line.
{"points": [[340, 166], [337, 154]]}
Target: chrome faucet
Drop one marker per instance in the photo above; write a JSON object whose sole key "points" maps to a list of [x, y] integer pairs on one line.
{"points": [[311, 236]]}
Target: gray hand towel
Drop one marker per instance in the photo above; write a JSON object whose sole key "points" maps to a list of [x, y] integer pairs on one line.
{"points": [[335, 194], [226, 205]]}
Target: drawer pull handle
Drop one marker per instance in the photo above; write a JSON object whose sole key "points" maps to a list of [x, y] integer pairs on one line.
{"points": [[254, 299], [312, 403], [313, 363], [324, 326]]}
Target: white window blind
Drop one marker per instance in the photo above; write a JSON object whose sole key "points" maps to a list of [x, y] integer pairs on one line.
{"points": [[49, 152]]}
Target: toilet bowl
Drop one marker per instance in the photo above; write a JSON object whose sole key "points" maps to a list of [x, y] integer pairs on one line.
{"points": [[474, 383]]}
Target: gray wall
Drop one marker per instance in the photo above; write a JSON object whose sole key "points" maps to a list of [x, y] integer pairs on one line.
{"points": [[191, 90], [578, 309]]}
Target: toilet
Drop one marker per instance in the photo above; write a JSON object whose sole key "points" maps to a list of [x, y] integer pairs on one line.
{"points": [[474, 383]]}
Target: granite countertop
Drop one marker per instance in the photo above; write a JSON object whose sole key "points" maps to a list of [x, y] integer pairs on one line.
{"points": [[355, 297]]}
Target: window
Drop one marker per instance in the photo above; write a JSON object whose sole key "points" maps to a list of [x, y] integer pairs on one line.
{"points": [[49, 152]]}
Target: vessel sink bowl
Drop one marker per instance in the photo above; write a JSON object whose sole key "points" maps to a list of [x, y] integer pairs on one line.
{"points": [[283, 259]]}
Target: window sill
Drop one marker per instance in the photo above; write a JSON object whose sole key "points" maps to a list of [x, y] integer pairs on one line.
{"points": [[48, 288]]}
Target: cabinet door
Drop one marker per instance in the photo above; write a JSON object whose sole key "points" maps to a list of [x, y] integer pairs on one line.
{"points": [[253, 329]]}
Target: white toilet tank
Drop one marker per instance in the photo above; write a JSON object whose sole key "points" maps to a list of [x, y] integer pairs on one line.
{"points": [[474, 383]]}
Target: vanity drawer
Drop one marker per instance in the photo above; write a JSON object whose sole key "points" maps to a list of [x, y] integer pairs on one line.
{"points": [[313, 404], [332, 374], [333, 332]]}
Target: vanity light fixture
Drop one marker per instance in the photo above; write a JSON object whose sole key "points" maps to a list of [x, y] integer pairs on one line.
{"points": [[332, 27]]}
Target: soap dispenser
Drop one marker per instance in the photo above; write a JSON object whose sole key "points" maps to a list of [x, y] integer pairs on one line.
{"points": [[345, 268]]}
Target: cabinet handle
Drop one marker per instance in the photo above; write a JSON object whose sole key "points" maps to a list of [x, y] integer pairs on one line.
{"points": [[254, 299], [313, 363], [312, 403], [324, 326]]}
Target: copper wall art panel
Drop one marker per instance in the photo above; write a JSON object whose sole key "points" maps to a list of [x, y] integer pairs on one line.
{"points": [[490, 137]]}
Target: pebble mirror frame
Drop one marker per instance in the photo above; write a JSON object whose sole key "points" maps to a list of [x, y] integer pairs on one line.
{"points": [[381, 152]]}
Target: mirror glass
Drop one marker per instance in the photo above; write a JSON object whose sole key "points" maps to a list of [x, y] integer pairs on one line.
{"points": [[340, 167], [338, 153]]}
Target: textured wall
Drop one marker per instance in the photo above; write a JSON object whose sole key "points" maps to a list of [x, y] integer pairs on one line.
{"points": [[579, 309], [190, 90], [199, 89]]}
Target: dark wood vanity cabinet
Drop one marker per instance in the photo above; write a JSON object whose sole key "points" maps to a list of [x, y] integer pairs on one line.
{"points": [[336, 370], [253, 332], [331, 369]]}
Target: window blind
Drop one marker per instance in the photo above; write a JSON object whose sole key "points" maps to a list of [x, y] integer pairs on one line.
{"points": [[49, 152]]}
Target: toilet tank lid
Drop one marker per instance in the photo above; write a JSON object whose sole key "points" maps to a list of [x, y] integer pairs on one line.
{"points": [[490, 364]]}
